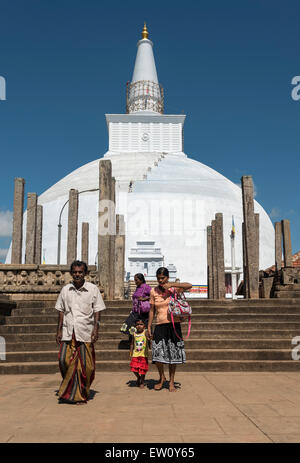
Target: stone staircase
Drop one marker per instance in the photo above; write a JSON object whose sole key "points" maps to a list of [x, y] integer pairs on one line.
{"points": [[242, 335]]}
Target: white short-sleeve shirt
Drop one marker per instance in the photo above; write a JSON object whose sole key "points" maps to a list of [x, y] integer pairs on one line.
{"points": [[79, 306]]}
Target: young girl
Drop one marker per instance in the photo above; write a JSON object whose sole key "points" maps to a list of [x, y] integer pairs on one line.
{"points": [[139, 353], [140, 304]]}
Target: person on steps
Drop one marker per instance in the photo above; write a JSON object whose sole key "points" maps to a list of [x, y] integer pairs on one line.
{"points": [[140, 305], [167, 348]]}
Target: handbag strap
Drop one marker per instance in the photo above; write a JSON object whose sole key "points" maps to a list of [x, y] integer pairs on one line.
{"points": [[189, 329], [175, 295]]}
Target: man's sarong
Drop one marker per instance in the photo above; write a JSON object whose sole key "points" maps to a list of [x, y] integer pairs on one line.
{"points": [[77, 366]]}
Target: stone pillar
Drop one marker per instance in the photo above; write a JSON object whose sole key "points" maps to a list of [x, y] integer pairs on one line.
{"points": [[287, 244], [106, 227], [119, 257], [245, 287], [251, 244], [112, 243], [39, 234], [220, 257], [214, 260], [31, 228], [85, 242], [256, 216], [72, 226], [209, 263], [278, 245], [17, 234]]}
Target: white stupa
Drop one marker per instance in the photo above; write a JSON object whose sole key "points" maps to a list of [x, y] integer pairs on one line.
{"points": [[167, 198]]}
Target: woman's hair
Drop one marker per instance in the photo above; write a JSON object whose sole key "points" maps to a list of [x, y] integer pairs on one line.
{"points": [[141, 277], [162, 271]]}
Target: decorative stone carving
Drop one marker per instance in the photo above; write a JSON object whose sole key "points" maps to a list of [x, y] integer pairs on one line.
{"points": [[290, 276], [27, 278]]}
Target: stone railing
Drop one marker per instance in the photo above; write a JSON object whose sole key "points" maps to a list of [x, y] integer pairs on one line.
{"points": [[31, 278], [284, 283]]}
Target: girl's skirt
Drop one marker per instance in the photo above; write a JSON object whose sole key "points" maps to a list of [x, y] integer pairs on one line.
{"points": [[139, 365], [166, 346]]}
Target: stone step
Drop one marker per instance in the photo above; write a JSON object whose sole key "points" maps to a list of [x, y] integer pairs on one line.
{"points": [[51, 328], [192, 354], [285, 294], [203, 302], [228, 303], [197, 318], [189, 344], [123, 365], [195, 334], [30, 311]]}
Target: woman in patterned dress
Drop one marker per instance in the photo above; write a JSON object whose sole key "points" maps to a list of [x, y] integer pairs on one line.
{"points": [[166, 346]]}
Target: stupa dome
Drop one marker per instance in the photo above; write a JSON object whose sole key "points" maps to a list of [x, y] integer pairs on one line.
{"points": [[166, 197]]}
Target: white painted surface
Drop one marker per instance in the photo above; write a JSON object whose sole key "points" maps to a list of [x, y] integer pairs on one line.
{"points": [[145, 137], [144, 68], [178, 187], [173, 198]]}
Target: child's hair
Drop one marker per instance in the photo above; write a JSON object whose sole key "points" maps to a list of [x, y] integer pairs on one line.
{"points": [[162, 271], [140, 320]]}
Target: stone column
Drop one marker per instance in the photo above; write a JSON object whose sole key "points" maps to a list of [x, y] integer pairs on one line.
{"points": [[278, 245], [256, 216], [251, 244], [39, 235], [287, 244], [106, 227], [209, 263], [31, 228], [214, 260], [17, 234], [72, 226], [245, 287], [112, 243], [119, 257], [85, 242], [220, 257]]}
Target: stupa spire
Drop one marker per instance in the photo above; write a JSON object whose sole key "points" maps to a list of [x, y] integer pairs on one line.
{"points": [[145, 33], [144, 93]]}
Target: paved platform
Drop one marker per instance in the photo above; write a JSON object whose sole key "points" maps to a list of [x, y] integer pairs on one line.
{"points": [[207, 407]]}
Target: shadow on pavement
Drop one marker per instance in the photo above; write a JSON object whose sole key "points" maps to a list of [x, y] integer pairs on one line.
{"points": [[150, 383]]}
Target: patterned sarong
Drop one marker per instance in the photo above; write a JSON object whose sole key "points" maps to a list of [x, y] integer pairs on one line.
{"points": [[77, 366]]}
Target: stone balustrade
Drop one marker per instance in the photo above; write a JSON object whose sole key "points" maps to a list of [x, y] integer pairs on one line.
{"points": [[32, 278]]}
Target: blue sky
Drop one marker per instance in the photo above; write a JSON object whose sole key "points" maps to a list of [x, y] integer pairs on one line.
{"points": [[228, 65]]}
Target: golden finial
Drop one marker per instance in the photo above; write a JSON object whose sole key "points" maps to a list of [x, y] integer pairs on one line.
{"points": [[145, 32]]}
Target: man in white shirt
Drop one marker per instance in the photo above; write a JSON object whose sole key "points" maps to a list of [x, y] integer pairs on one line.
{"points": [[79, 305]]}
